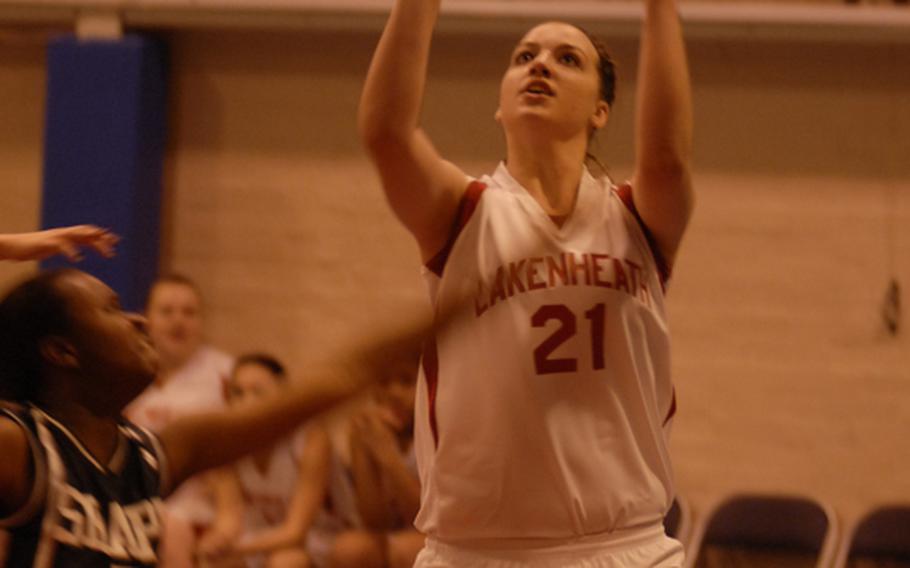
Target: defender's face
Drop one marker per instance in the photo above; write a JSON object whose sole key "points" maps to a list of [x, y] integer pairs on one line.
{"points": [[111, 347], [175, 320], [553, 78]]}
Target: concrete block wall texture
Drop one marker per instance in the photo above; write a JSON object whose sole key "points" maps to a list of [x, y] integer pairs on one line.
{"points": [[786, 379]]}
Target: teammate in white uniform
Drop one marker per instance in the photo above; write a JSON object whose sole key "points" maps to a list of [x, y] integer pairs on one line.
{"points": [[191, 379], [542, 429], [270, 502]]}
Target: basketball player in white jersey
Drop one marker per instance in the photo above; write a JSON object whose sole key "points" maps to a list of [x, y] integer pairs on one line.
{"points": [[541, 430]]}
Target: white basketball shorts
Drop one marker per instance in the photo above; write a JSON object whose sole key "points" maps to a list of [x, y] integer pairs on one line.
{"points": [[637, 548]]}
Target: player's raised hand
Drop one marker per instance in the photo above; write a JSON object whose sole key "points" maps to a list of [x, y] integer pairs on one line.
{"points": [[66, 241], [375, 430]]}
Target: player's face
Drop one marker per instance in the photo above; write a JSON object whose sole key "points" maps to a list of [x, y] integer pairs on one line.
{"points": [[175, 321], [252, 382], [553, 79], [111, 347], [397, 396]]}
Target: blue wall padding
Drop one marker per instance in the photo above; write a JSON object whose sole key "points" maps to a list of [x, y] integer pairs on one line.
{"points": [[103, 152]]}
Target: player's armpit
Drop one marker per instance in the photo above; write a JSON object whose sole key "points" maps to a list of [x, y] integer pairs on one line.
{"points": [[665, 201], [423, 189]]}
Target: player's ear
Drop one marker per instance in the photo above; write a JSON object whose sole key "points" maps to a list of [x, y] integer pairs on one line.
{"points": [[59, 352], [601, 115], [498, 116]]}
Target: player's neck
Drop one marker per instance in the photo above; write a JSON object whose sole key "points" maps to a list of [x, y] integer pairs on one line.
{"points": [[97, 431], [550, 172]]}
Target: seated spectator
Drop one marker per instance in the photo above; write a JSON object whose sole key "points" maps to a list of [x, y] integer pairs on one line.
{"points": [[268, 502], [190, 379], [381, 472]]}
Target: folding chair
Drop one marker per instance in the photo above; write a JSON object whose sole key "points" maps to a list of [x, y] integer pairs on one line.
{"points": [[765, 530], [881, 539]]}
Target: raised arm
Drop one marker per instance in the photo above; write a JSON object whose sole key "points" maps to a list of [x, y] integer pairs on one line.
{"points": [[403, 487], [399, 487], [371, 503], [423, 189], [662, 187], [203, 441], [199, 442], [67, 241]]}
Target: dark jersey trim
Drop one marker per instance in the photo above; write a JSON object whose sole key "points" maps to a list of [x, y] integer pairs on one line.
{"points": [[148, 438]]}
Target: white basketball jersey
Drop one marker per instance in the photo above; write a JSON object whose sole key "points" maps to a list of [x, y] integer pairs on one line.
{"points": [[197, 386], [269, 493], [547, 417]]}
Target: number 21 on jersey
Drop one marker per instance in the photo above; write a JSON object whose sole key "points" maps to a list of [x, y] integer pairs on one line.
{"points": [[544, 362]]}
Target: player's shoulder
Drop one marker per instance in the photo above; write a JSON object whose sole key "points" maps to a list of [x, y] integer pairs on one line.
{"points": [[15, 439], [17, 433], [14, 420], [12, 430]]}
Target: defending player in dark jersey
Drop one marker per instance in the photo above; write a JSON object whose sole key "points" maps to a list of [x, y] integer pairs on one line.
{"points": [[79, 485], [80, 512]]}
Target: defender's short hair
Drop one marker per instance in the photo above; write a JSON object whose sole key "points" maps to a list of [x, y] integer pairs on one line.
{"points": [[33, 310]]}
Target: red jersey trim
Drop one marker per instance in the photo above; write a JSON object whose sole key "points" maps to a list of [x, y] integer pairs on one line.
{"points": [[624, 192], [437, 264], [430, 364], [466, 209]]}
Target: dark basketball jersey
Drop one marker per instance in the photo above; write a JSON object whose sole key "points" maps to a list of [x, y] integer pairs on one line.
{"points": [[81, 513]]}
